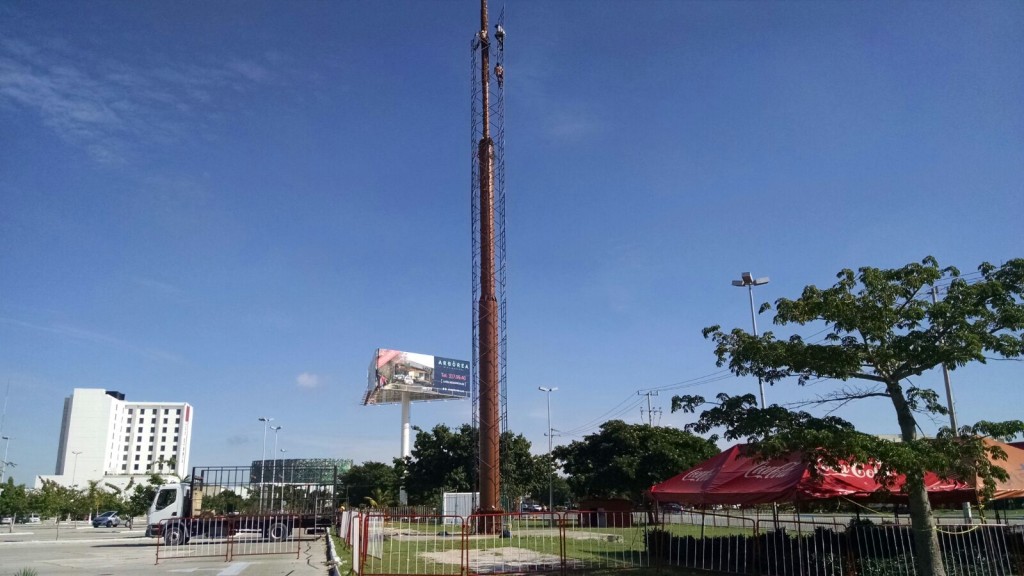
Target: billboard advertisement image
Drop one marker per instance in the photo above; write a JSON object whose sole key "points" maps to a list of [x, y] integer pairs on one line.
{"points": [[393, 373]]}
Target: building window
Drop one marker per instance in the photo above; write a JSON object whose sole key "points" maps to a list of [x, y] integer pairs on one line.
{"points": [[124, 468], [139, 440], [136, 467], [127, 438], [165, 420], [175, 439], [150, 457], [136, 457], [175, 429], [154, 421], [151, 438], [178, 411], [164, 429]]}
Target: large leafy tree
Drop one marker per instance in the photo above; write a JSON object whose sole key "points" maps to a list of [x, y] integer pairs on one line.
{"points": [[58, 501], [883, 329], [361, 481], [624, 460], [13, 499], [444, 460]]}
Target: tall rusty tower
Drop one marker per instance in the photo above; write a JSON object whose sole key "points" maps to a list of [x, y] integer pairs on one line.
{"points": [[490, 416]]}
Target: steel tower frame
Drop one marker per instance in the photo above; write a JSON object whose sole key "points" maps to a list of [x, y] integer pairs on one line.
{"points": [[488, 242]]}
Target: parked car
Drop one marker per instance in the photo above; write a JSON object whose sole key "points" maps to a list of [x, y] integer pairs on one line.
{"points": [[108, 519], [7, 520], [33, 519]]}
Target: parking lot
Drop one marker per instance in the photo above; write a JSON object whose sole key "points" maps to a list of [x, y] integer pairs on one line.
{"points": [[80, 549]]}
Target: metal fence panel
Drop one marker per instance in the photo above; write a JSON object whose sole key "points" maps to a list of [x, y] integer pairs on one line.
{"points": [[725, 542], [421, 544], [230, 536]]}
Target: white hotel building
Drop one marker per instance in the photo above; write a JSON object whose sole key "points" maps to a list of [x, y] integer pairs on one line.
{"points": [[103, 437]]}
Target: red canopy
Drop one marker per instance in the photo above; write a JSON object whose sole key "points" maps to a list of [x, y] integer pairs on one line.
{"points": [[733, 477]]}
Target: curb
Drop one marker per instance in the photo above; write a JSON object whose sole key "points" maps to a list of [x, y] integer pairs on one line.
{"points": [[333, 561]]}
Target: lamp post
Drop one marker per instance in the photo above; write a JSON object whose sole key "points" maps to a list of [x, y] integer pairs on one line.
{"points": [[746, 279], [551, 472], [282, 479], [263, 460], [3, 467], [74, 470], [273, 466]]}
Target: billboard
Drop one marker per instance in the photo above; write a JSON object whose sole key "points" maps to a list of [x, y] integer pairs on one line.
{"points": [[394, 374]]}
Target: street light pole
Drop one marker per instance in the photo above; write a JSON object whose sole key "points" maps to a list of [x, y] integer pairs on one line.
{"points": [[746, 279], [282, 479], [74, 470], [273, 469], [263, 460], [551, 472], [3, 467]]}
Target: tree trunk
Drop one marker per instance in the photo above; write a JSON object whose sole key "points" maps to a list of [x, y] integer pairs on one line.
{"points": [[927, 554]]}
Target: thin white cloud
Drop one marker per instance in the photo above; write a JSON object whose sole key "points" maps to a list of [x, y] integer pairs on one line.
{"points": [[307, 380], [107, 107], [157, 286], [83, 335], [569, 126]]}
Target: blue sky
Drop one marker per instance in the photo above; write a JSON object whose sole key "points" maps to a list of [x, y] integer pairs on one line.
{"points": [[233, 204]]}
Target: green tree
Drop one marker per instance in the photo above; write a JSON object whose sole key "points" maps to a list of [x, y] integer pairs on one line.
{"points": [[883, 328], [57, 501], [14, 500], [522, 473], [624, 460], [380, 498], [444, 460], [140, 496], [225, 502], [361, 480]]}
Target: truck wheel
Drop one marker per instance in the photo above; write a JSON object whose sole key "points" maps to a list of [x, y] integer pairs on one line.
{"points": [[175, 535], [277, 531]]}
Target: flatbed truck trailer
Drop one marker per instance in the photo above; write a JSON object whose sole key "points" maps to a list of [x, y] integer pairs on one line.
{"points": [[227, 500]]}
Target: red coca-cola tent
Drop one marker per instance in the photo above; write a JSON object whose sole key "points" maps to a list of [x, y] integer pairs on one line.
{"points": [[734, 477]]}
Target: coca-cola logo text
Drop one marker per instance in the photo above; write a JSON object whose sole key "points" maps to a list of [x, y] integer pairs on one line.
{"points": [[698, 475], [768, 470]]}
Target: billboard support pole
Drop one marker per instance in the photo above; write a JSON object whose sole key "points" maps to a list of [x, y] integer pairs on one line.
{"points": [[406, 404]]}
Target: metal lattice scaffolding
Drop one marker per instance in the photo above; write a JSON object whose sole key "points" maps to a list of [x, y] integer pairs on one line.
{"points": [[490, 415]]}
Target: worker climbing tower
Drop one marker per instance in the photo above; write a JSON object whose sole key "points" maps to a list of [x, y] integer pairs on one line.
{"points": [[490, 416]]}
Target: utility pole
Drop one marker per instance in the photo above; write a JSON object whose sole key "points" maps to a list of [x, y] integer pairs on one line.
{"points": [[649, 393], [551, 464], [950, 406]]}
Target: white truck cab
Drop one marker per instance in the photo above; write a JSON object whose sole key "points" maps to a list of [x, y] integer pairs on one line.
{"points": [[169, 502]]}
